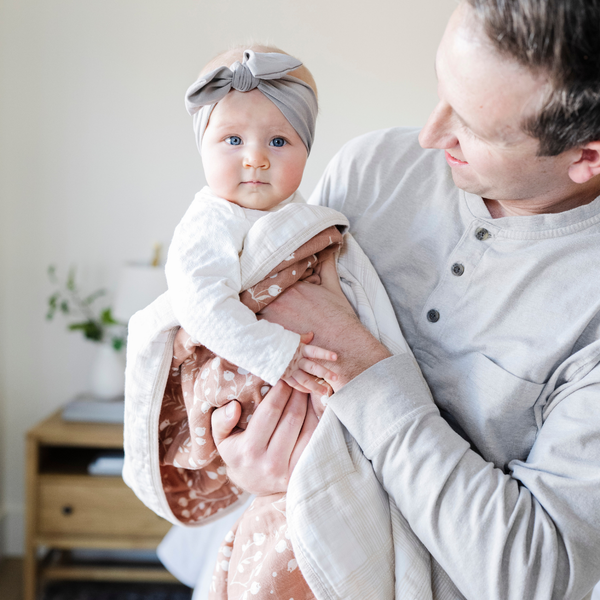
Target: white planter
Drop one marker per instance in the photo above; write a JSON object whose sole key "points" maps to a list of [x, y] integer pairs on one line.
{"points": [[107, 381]]}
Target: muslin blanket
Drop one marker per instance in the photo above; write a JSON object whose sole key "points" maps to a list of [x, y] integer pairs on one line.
{"points": [[198, 383], [349, 539]]}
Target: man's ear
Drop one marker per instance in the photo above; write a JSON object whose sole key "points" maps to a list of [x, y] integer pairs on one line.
{"points": [[587, 165]]}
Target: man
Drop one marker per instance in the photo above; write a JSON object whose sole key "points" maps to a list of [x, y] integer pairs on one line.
{"points": [[489, 251]]}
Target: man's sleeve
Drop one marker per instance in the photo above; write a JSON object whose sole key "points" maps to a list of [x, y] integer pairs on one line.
{"points": [[533, 533]]}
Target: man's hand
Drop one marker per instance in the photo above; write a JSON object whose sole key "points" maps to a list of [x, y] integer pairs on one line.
{"points": [[325, 310], [261, 458]]}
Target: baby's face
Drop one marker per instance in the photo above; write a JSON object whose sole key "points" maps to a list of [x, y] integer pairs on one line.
{"points": [[251, 155]]}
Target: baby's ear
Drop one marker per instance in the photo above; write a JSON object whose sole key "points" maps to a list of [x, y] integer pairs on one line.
{"points": [[587, 164]]}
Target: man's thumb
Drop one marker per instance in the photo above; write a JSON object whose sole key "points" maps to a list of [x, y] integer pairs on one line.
{"points": [[224, 420]]}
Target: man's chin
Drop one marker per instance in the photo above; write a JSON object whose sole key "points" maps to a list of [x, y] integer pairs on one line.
{"points": [[471, 187]]}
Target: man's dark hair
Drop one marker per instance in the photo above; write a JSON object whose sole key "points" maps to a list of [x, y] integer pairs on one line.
{"points": [[560, 38]]}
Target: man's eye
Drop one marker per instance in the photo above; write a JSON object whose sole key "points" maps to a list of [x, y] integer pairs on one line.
{"points": [[234, 140], [278, 142]]}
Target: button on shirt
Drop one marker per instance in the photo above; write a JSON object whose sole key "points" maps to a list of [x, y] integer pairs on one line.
{"points": [[503, 316], [457, 269]]}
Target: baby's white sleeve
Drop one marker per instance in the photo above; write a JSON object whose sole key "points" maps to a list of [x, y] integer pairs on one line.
{"points": [[204, 278]]}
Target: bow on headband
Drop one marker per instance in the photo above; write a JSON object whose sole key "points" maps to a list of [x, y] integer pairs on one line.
{"points": [[265, 72]]}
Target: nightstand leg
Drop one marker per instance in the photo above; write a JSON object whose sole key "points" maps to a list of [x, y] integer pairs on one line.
{"points": [[30, 574], [30, 564]]}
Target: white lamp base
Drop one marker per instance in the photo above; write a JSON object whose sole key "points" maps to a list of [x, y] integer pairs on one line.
{"points": [[107, 380]]}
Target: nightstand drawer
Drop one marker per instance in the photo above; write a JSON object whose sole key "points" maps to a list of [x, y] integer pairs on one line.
{"points": [[94, 506]]}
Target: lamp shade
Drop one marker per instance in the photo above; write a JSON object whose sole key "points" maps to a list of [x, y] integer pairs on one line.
{"points": [[139, 285]]}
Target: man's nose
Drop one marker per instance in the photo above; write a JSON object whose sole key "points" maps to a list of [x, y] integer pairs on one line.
{"points": [[255, 158], [438, 132]]}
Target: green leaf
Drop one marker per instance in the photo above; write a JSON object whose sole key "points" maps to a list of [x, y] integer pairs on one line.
{"points": [[92, 297], [64, 307], [52, 305], [91, 329], [118, 343], [53, 299], [106, 317], [71, 280], [52, 274]]}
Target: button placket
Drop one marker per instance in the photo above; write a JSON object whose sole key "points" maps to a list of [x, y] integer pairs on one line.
{"points": [[440, 307]]}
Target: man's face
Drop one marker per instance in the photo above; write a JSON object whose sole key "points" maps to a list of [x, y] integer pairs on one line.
{"points": [[251, 154], [483, 100]]}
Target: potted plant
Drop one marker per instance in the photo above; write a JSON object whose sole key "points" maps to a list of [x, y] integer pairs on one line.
{"points": [[97, 325]]}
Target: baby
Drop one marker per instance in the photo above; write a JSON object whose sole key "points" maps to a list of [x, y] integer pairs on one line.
{"points": [[254, 123], [254, 142]]}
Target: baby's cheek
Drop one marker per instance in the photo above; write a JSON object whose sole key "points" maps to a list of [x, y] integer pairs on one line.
{"points": [[220, 177], [292, 176]]}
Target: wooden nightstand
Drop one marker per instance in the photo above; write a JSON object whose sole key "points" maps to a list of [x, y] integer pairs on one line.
{"points": [[67, 508]]}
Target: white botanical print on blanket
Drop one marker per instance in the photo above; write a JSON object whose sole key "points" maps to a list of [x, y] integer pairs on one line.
{"points": [[256, 560], [199, 382]]}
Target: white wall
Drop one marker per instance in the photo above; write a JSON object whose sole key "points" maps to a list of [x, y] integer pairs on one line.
{"points": [[98, 160]]}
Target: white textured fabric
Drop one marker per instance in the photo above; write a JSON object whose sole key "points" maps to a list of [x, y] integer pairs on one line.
{"points": [[350, 540], [205, 279], [512, 362]]}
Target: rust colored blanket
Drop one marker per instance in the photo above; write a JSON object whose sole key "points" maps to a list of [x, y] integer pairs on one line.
{"points": [[194, 476]]}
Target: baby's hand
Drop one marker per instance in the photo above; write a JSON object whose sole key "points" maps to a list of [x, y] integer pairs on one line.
{"points": [[303, 374]]}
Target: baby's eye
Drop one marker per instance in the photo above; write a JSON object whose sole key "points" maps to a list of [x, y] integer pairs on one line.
{"points": [[234, 140], [278, 142]]}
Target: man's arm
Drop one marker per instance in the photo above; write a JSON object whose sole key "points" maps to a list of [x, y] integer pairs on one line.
{"points": [[534, 533]]}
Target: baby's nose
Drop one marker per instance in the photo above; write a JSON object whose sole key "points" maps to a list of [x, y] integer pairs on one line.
{"points": [[255, 159]]}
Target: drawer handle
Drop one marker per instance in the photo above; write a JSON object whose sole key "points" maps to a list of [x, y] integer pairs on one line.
{"points": [[67, 510]]}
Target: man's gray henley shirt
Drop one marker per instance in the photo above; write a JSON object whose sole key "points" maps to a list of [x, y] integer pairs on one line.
{"points": [[496, 461]]}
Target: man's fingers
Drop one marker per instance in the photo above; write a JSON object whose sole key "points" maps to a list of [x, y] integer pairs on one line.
{"points": [[290, 425], [294, 383], [329, 277], [308, 428], [224, 420], [314, 278], [268, 413]]}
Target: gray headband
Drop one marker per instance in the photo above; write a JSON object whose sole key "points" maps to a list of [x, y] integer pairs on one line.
{"points": [[267, 73]]}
